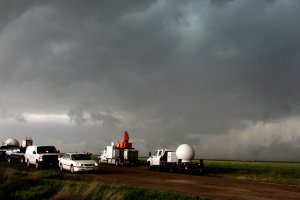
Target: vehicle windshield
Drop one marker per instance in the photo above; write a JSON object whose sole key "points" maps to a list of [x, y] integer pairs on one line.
{"points": [[155, 153], [81, 157], [46, 149]]}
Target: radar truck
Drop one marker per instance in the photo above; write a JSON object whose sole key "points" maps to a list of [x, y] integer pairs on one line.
{"points": [[175, 161], [11, 150], [120, 153], [18, 153]]}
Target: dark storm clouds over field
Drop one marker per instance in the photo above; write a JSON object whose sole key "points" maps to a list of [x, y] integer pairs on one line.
{"points": [[221, 75]]}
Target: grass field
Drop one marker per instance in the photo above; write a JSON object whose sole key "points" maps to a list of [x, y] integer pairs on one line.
{"points": [[276, 172], [51, 184], [55, 185]]}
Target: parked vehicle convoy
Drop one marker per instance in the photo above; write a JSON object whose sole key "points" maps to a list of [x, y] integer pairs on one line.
{"points": [[41, 156], [175, 161], [77, 162], [120, 153]]}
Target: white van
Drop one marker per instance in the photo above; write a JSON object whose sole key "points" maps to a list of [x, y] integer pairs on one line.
{"points": [[41, 156]]}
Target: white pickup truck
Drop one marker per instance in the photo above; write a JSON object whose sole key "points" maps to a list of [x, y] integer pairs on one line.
{"points": [[175, 161], [159, 156]]}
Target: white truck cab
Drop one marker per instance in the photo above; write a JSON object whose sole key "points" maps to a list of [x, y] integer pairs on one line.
{"points": [[161, 155]]}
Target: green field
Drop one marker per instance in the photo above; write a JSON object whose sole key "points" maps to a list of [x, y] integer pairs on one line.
{"points": [[276, 172]]}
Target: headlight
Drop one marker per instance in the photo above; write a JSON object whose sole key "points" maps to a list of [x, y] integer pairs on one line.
{"points": [[41, 158], [96, 164]]}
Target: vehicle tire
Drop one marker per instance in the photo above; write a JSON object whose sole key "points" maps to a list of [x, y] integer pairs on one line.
{"points": [[28, 163], [149, 166], [36, 165], [172, 170], [22, 160], [72, 169], [61, 167], [8, 159]]}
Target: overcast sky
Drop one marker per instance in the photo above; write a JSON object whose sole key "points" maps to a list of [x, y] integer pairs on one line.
{"points": [[221, 75]]}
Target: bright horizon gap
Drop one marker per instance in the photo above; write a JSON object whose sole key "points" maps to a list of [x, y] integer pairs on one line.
{"points": [[52, 117]]}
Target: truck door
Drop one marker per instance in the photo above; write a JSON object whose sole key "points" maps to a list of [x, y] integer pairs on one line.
{"points": [[32, 156], [156, 157]]}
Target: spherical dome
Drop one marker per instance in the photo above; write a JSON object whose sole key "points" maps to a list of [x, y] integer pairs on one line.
{"points": [[12, 142], [185, 152]]}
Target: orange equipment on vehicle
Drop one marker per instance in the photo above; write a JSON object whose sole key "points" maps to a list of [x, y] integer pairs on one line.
{"points": [[125, 144]]}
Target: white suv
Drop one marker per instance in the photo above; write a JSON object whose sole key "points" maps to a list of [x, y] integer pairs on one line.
{"points": [[41, 156]]}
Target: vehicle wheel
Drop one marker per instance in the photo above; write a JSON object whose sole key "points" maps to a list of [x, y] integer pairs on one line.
{"points": [[172, 170], [8, 159], [61, 167], [28, 163], [36, 165], [72, 169], [149, 166], [21, 160]]}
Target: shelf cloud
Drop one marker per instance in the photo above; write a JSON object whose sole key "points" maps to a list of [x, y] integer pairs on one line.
{"points": [[220, 75]]}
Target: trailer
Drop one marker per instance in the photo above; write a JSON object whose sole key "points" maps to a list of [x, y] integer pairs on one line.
{"points": [[180, 160], [120, 153]]}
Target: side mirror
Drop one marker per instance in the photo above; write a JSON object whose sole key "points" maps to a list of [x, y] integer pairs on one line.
{"points": [[58, 151], [34, 152], [149, 154]]}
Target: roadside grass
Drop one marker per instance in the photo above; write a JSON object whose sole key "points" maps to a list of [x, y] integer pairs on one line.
{"points": [[48, 184]]}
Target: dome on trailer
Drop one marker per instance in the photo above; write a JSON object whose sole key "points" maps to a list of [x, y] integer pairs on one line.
{"points": [[12, 142], [185, 152]]}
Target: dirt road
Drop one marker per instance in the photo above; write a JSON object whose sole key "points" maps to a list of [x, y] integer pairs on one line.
{"points": [[202, 186]]}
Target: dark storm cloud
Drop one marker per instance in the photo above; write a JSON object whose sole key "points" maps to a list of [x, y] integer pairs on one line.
{"points": [[158, 68]]}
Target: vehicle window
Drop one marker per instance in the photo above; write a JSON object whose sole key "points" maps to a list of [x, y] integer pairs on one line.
{"points": [[155, 153], [81, 157], [46, 149], [159, 153]]}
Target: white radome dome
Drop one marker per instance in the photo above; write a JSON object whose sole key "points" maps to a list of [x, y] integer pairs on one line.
{"points": [[12, 142], [185, 152]]}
